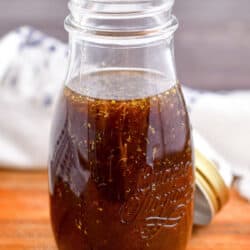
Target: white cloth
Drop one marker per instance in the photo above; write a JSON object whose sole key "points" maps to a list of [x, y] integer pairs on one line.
{"points": [[32, 70], [223, 119]]}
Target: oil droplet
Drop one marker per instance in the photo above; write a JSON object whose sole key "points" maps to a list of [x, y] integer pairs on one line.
{"points": [[129, 139], [124, 159], [92, 145], [139, 149], [134, 103], [78, 224], [106, 115], [152, 129], [59, 192]]}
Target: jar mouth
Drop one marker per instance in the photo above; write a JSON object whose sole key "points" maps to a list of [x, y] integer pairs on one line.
{"points": [[119, 19], [119, 7]]}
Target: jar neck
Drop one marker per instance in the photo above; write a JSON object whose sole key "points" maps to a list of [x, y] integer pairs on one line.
{"points": [[138, 21], [86, 57], [105, 35]]}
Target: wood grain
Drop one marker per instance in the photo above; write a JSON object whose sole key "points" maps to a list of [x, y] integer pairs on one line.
{"points": [[25, 224]]}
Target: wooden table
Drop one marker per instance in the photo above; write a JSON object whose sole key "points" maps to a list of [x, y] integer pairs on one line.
{"points": [[25, 223]]}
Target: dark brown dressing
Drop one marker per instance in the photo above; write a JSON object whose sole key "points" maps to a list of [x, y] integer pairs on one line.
{"points": [[121, 167]]}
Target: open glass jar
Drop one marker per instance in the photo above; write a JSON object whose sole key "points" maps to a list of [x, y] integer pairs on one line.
{"points": [[121, 161]]}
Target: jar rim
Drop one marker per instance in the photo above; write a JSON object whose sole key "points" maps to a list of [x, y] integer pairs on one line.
{"points": [[122, 8], [123, 38], [99, 22]]}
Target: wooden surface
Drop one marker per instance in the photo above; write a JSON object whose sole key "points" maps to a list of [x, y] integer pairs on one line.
{"points": [[212, 44], [25, 224]]}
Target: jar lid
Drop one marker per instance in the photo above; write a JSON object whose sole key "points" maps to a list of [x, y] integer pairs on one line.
{"points": [[211, 193]]}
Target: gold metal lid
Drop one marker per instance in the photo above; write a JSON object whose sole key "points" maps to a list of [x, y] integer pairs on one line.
{"points": [[211, 191]]}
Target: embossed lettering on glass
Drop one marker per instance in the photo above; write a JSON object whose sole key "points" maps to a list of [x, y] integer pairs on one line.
{"points": [[121, 160]]}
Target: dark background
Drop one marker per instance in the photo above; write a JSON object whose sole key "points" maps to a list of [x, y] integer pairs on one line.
{"points": [[212, 44]]}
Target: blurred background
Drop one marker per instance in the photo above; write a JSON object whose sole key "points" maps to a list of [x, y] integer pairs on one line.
{"points": [[212, 44], [212, 53]]}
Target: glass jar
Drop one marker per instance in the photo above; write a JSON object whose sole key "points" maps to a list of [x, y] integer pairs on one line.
{"points": [[121, 160]]}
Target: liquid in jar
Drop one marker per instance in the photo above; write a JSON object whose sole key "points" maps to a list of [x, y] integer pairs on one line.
{"points": [[121, 166]]}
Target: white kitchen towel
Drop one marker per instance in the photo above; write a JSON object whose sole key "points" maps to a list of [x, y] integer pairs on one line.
{"points": [[32, 71]]}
